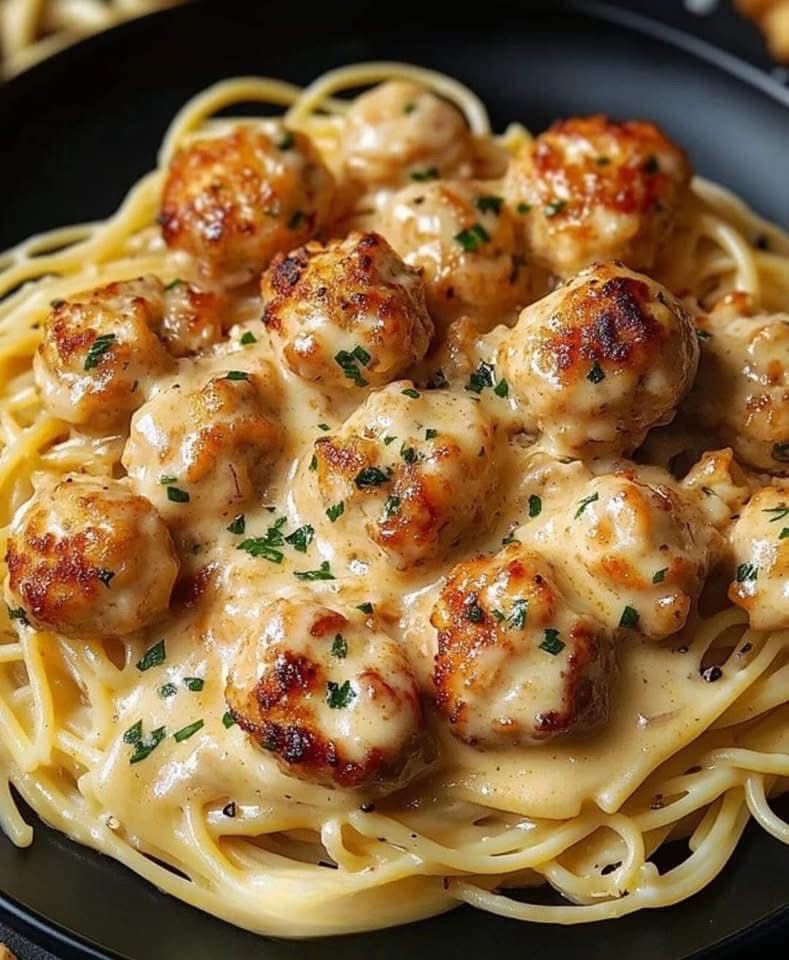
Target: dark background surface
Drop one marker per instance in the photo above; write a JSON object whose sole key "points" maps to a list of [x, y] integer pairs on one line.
{"points": [[730, 32]]}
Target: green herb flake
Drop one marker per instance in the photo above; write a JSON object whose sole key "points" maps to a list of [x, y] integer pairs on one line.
{"points": [[502, 388], [554, 207], [228, 720], [483, 376], [188, 731], [519, 614], [166, 479], [133, 734], [105, 576], [301, 538], [195, 684], [602, 161], [339, 647], [336, 511], [388, 440], [237, 525], [473, 611], [431, 434], [410, 392], [348, 362], [660, 576], [314, 463], [97, 350], [409, 107], [248, 338], [427, 173], [177, 495], [583, 504], [535, 505], [409, 454], [489, 204], [391, 507], [339, 695], [365, 608], [370, 477], [167, 690], [153, 657], [703, 334], [784, 533], [596, 374], [629, 618], [264, 547], [287, 140], [746, 571], [523, 207], [144, 747], [552, 644], [322, 573], [472, 238], [778, 513], [324, 426], [236, 375], [173, 284], [18, 613]]}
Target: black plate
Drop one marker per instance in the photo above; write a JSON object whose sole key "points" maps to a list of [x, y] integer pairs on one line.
{"points": [[80, 128]]}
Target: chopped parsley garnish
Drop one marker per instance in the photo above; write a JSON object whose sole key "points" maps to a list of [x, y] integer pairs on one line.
{"points": [[153, 657], [339, 695], [177, 495], [660, 576], [498, 615], [471, 238], [431, 434], [287, 140], [236, 375], [583, 504], [237, 525], [502, 388], [388, 440], [173, 284], [266, 546], [133, 734], [409, 107], [167, 478], [554, 207], [490, 204], [391, 507], [322, 573], [18, 613], [339, 647], [602, 161], [144, 747], [552, 644], [778, 513], [314, 463], [703, 334], [410, 392], [428, 173], [365, 608], [370, 477], [523, 207], [188, 731], [408, 454], [97, 350], [784, 533], [301, 539], [195, 684], [167, 690], [596, 374], [535, 505], [324, 426], [296, 220], [651, 164], [228, 720], [483, 376], [474, 611], [105, 576], [629, 618], [520, 612], [747, 571], [336, 511], [248, 338], [348, 362]]}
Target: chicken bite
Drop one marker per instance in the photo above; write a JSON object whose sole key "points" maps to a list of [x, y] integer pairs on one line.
{"points": [[517, 663], [400, 131], [760, 541], [234, 201], [592, 189], [200, 455], [743, 384], [335, 701], [465, 241], [416, 468], [87, 557], [348, 314], [600, 361]]}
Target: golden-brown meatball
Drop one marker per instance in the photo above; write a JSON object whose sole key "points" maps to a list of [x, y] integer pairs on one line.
{"points": [[416, 468], [399, 130], [202, 454], [635, 549], [348, 314], [743, 386], [334, 701], [465, 241], [600, 361], [234, 201], [88, 556], [591, 189], [760, 541], [100, 352], [516, 663]]}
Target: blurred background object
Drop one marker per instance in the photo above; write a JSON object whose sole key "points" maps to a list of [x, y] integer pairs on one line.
{"points": [[31, 30], [772, 17]]}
